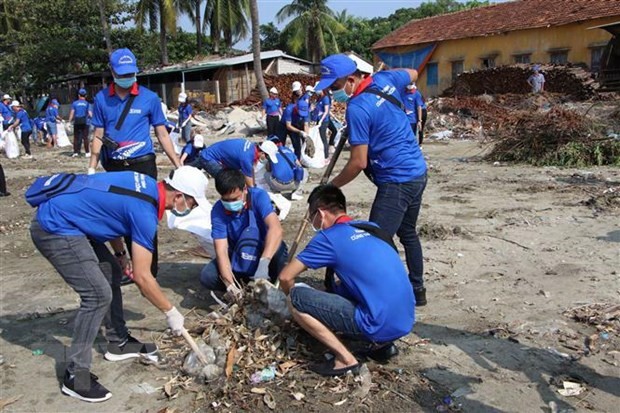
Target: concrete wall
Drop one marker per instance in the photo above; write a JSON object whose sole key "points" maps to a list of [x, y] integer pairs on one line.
{"points": [[538, 42]]}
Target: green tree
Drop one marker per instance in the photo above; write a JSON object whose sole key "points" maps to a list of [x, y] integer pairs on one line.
{"points": [[227, 21], [166, 10], [313, 28], [271, 37]]}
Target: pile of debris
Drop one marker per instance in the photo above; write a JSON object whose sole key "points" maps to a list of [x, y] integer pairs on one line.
{"points": [[605, 318], [575, 82], [281, 82]]}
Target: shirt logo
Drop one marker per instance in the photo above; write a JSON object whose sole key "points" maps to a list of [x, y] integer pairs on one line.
{"points": [[126, 59], [49, 181], [246, 256], [126, 151], [133, 111]]}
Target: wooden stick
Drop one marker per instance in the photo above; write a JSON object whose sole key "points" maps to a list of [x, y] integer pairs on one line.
{"points": [[194, 347]]}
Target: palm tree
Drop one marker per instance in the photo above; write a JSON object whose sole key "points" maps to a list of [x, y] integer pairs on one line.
{"points": [[192, 8], [104, 26], [167, 13], [258, 67], [312, 27], [227, 20]]}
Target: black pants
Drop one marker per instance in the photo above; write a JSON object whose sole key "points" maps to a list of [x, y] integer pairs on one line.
{"points": [[421, 135], [80, 133], [332, 128], [26, 141], [2, 181], [272, 125], [282, 133], [327, 125], [148, 168]]}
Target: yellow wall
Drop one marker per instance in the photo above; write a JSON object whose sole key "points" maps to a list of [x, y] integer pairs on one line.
{"points": [[538, 42]]}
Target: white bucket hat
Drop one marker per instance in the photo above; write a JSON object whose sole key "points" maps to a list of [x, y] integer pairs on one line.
{"points": [[182, 97], [273, 90], [5, 97], [296, 86], [199, 141], [191, 181], [15, 103], [270, 149]]}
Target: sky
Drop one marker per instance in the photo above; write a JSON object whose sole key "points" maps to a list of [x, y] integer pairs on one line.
{"points": [[267, 10]]}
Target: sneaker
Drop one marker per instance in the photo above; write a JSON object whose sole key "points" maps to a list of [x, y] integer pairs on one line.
{"points": [[296, 197], [75, 155], [87, 155], [130, 348], [83, 385], [27, 156], [420, 297]]}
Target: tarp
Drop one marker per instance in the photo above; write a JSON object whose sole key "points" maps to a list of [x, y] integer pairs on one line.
{"points": [[410, 60]]}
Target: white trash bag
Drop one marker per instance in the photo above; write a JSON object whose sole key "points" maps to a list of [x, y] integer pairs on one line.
{"points": [[198, 222], [317, 161], [174, 137], [63, 139], [11, 147]]}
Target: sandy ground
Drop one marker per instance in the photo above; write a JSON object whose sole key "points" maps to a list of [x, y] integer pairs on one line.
{"points": [[507, 250]]}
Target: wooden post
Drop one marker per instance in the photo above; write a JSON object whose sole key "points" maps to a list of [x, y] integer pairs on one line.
{"points": [[217, 91], [247, 81]]}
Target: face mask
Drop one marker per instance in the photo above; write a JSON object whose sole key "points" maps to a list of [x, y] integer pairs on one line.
{"points": [[312, 223], [340, 95], [125, 82], [233, 206], [183, 213]]}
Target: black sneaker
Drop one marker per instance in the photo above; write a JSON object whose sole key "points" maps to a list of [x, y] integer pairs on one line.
{"points": [[130, 348], [83, 385], [420, 297]]}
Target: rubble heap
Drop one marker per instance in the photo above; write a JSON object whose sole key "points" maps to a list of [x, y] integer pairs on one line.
{"points": [[282, 83], [575, 82]]}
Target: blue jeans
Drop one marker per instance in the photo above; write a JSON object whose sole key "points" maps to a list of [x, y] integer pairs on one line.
{"points": [[210, 274], [186, 132], [332, 310], [395, 209], [52, 129], [212, 167]]}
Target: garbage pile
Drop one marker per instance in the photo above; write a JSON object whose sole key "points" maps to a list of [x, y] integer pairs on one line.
{"points": [[575, 82], [282, 83]]}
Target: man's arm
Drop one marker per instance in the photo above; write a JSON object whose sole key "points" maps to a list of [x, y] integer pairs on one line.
{"points": [[413, 74], [288, 274], [144, 279], [223, 261], [274, 236], [183, 158], [166, 144], [95, 148], [356, 164], [249, 181], [291, 128], [71, 114]]}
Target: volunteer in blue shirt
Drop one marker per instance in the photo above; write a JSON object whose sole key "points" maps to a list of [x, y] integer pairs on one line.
{"points": [[80, 115], [51, 117], [191, 150], [272, 110], [23, 122], [6, 112], [71, 229], [129, 146], [384, 146], [185, 117], [413, 108], [239, 154], [237, 209], [285, 175], [324, 121], [303, 107], [39, 122], [292, 125], [371, 299]]}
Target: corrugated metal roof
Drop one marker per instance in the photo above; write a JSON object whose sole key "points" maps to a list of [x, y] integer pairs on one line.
{"points": [[498, 18]]}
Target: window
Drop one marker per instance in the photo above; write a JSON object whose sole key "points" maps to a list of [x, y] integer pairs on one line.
{"points": [[432, 74], [596, 58], [457, 68], [559, 57], [488, 62], [523, 58]]}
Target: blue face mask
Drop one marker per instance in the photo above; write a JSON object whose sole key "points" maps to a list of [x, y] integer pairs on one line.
{"points": [[125, 82], [340, 96], [183, 213], [233, 206]]}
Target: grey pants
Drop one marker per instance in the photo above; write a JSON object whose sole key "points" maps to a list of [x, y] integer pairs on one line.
{"points": [[92, 271]]}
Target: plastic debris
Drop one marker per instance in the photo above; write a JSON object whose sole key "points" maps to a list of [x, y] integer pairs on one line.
{"points": [[571, 389], [37, 352], [266, 374]]}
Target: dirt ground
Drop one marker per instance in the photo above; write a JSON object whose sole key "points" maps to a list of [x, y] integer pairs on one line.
{"points": [[508, 249]]}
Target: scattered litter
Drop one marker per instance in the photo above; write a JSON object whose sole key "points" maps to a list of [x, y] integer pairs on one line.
{"points": [[143, 388], [571, 389], [462, 391], [37, 352], [298, 396], [266, 374], [546, 294]]}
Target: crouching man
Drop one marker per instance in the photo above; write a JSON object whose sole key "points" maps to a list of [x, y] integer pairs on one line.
{"points": [[78, 213], [247, 237], [371, 298]]}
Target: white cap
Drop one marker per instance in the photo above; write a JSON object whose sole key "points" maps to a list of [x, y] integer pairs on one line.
{"points": [[270, 149], [182, 97], [5, 97], [15, 103], [309, 88], [296, 86], [412, 86], [273, 90], [190, 181], [199, 141]]}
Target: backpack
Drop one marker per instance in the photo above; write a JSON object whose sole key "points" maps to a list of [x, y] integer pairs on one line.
{"points": [[246, 253], [298, 171], [47, 187]]}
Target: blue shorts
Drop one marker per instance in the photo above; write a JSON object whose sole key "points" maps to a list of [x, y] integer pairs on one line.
{"points": [[52, 129]]}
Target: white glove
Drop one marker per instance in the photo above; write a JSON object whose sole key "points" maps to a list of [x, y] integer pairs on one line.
{"points": [[263, 269], [234, 293], [175, 321], [304, 135], [91, 171]]}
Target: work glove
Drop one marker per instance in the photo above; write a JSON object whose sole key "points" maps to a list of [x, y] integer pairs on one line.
{"points": [[304, 135], [175, 321], [263, 269], [91, 171], [233, 293]]}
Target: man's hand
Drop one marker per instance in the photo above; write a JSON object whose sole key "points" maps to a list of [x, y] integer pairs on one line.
{"points": [[125, 264], [233, 293], [263, 269], [175, 321], [304, 135]]}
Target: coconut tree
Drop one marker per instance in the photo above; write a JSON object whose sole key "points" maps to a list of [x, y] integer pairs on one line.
{"points": [[313, 27], [166, 10], [227, 21], [193, 9], [258, 68]]}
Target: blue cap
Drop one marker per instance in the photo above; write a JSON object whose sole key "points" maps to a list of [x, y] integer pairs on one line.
{"points": [[82, 92], [537, 68], [123, 62], [333, 68], [274, 139], [55, 102]]}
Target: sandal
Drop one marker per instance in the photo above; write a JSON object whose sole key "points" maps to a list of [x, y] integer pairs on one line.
{"points": [[327, 369]]}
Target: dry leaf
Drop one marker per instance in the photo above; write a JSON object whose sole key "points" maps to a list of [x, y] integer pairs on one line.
{"points": [[286, 366], [6, 402], [230, 360], [340, 403], [258, 390], [298, 396], [269, 401], [168, 389]]}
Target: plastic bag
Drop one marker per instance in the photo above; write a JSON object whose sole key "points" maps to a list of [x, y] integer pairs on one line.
{"points": [[198, 222], [11, 147], [317, 161], [63, 139], [174, 137]]}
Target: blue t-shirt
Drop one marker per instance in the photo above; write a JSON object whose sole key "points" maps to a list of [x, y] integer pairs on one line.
{"points": [[371, 275], [320, 107], [39, 121], [412, 102], [229, 225], [6, 113], [105, 217], [290, 114], [51, 113], [272, 106], [232, 154], [80, 108], [134, 137], [394, 154], [303, 107], [185, 112], [191, 151], [24, 121], [282, 171], [89, 119]]}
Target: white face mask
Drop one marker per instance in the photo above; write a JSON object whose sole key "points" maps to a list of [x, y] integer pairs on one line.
{"points": [[312, 222]]}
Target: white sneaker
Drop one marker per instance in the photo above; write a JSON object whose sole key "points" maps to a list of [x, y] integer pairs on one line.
{"points": [[27, 156], [296, 197], [87, 155], [75, 155]]}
